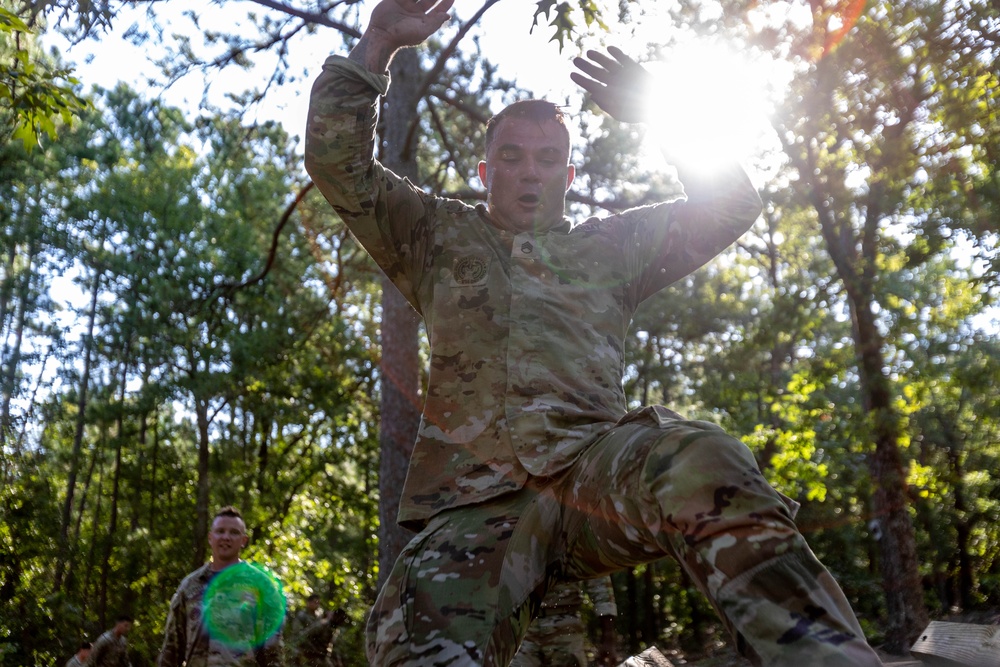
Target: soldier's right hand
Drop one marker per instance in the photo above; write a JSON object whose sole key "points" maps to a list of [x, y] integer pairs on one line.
{"points": [[402, 23]]}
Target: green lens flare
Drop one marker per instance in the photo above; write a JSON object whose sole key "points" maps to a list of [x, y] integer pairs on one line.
{"points": [[243, 607]]}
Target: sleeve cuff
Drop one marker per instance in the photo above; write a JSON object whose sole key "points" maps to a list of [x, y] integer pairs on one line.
{"points": [[349, 69]]}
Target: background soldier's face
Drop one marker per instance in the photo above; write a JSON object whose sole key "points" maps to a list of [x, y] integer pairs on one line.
{"points": [[227, 537]]}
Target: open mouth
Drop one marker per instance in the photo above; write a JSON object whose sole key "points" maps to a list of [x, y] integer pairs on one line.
{"points": [[530, 199]]}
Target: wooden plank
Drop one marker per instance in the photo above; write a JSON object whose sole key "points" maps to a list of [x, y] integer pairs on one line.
{"points": [[964, 644], [651, 657]]}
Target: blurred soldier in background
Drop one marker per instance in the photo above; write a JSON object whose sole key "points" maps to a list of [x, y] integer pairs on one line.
{"points": [[310, 632], [80, 658], [111, 648], [557, 636], [199, 635]]}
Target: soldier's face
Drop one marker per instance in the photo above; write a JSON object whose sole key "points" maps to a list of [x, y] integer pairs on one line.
{"points": [[226, 538], [527, 174]]}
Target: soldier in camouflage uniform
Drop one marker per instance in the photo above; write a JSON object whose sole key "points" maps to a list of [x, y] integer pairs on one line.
{"points": [[111, 648], [309, 633], [79, 659], [528, 469], [188, 639], [557, 636]]}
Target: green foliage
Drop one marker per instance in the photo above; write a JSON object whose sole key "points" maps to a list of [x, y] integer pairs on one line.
{"points": [[169, 226], [560, 17], [38, 94]]}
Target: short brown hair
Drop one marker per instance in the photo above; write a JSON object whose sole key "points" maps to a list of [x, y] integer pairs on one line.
{"points": [[228, 510], [539, 111]]}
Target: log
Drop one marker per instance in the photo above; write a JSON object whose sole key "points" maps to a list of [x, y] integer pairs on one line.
{"points": [[651, 657], [963, 644]]}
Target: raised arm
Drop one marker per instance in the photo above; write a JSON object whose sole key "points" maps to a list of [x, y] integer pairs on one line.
{"points": [[620, 87], [397, 24], [681, 236], [379, 207]]}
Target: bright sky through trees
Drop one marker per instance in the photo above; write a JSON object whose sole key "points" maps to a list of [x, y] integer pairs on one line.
{"points": [[711, 93], [114, 59]]}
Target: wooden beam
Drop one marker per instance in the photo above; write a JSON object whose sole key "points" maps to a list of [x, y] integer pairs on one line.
{"points": [[964, 644], [651, 657]]}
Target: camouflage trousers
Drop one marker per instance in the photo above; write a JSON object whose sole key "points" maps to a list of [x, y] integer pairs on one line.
{"points": [[464, 590]]}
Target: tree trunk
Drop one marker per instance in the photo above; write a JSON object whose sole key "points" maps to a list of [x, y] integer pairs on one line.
{"points": [[400, 368], [901, 583], [136, 517], [154, 465], [81, 507], [74, 466], [7, 285], [201, 508], [263, 454], [12, 356], [855, 254], [109, 543], [963, 531], [86, 593]]}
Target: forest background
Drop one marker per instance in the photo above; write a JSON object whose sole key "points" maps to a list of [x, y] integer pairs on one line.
{"points": [[231, 344]]}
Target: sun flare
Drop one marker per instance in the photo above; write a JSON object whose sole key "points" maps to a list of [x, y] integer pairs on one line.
{"points": [[709, 104]]}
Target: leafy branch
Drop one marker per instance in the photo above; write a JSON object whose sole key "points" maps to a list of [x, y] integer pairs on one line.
{"points": [[32, 90]]}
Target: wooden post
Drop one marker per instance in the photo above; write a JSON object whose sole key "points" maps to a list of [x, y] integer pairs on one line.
{"points": [[651, 657], [958, 644]]}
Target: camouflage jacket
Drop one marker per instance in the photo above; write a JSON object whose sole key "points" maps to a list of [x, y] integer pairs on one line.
{"points": [[187, 641], [526, 330], [109, 650]]}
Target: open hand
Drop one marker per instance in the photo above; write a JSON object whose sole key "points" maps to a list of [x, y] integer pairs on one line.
{"points": [[617, 84], [403, 23]]}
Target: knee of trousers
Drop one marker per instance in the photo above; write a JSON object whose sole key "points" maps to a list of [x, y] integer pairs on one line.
{"points": [[710, 490]]}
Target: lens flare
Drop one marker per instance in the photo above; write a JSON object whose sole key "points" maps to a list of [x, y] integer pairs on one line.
{"points": [[709, 104], [243, 607], [843, 20]]}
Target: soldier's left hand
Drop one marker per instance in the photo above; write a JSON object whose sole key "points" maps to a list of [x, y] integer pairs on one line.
{"points": [[617, 84]]}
